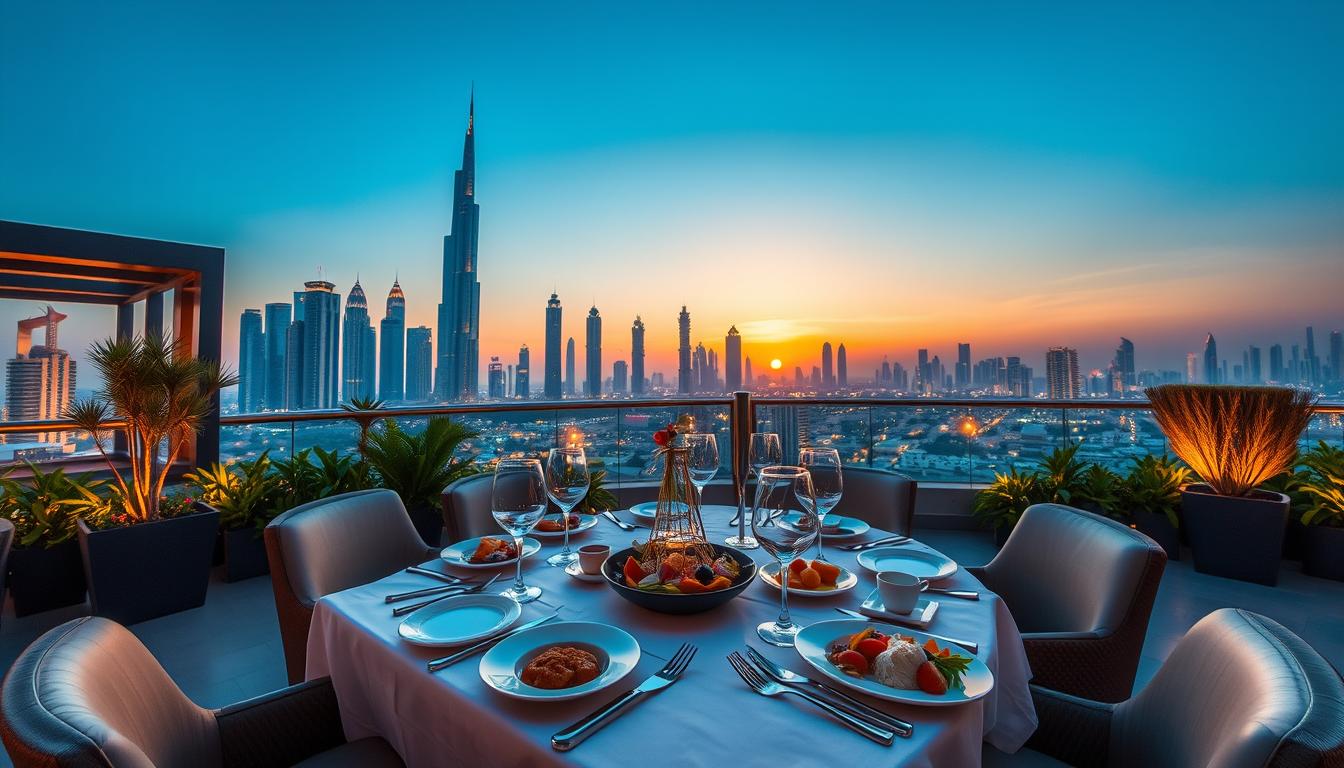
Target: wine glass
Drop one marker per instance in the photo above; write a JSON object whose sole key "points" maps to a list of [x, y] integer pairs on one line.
{"points": [[518, 501], [764, 451], [827, 482], [567, 482], [786, 490], [702, 461]]}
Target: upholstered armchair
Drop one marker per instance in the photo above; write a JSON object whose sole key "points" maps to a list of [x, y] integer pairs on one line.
{"points": [[883, 499]]}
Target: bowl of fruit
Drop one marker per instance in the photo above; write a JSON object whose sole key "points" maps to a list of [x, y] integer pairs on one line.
{"points": [[680, 583]]}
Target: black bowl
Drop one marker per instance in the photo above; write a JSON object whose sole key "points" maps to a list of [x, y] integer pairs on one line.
{"points": [[664, 602]]}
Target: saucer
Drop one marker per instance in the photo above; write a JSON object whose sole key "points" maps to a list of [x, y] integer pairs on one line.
{"points": [[574, 570], [920, 617]]}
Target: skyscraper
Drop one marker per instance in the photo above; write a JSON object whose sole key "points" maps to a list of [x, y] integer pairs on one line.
{"points": [[419, 363], [313, 348], [922, 371], [962, 375], [699, 368], [251, 362], [841, 367], [748, 383], [592, 349], [1276, 372], [1253, 370], [732, 365], [637, 357], [1313, 362], [619, 373], [357, 351], [684, 351], [570, 386], [1122, 366], [827, 367], [277, 329], [495, 379], [1061, 373], [522, 377], [392, 355], [460, 311], [1210, 360], [552, 383], [1336, 357], [1192, 367], [40, 379]]}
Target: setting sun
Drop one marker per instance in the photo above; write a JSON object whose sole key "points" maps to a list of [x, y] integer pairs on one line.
{"points": [[776, 364]]}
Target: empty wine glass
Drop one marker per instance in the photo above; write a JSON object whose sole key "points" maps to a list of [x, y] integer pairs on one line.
{"points": [[827, 482], [518, 501], [703, 461], [567, 482], [784, 490], [764, 451]]}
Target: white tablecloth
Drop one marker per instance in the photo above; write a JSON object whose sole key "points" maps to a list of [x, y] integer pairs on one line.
{"points": [[708, 718]]}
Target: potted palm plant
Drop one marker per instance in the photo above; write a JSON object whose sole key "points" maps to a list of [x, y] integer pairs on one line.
{"points": [[999, 505], [1323, 484], [1234, 439], [143, 557], [1152, 495], [244, 495], [45, 571], [418, 466]]}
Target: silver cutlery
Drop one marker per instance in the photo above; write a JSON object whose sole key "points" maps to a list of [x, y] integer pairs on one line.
{"points": [[571, 737], [427, 591], [839, 698], [435, 665], [967, 644], [887, 541], [757, 682], [405, 609], [445, 577], [624, 526], [961, 593]]}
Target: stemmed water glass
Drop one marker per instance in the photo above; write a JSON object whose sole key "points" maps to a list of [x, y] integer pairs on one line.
{"points": [[827, 482], [567, 481], [518, 501], [788, 490], [764, 451], [703, 461]]}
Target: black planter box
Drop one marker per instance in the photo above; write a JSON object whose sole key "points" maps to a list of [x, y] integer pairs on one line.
{"points": [[244, 554], [1236, 537], [1157, 527], [428, 523], [1323, 552], [148, 570], [42, 579]]}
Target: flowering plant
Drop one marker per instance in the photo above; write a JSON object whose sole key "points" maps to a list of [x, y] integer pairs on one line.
{"points": [[664, 437]]}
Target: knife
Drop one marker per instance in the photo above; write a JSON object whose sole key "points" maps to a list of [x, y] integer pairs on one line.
{"points": [[436, 664], [624, 526], [886, 541], [967, 644]]}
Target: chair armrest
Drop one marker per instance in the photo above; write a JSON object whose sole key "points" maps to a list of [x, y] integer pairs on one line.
{"points": [[978, 571], [1097, 665], [1074, 730], [281, 728], [1062, 638]]}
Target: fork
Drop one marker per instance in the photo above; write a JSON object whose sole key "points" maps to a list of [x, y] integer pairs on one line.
{"points": [[887, 541], [427, 591], [765, 687], [446, 577], [624, 526], [846, 702], [405, 609], [571, 737]]}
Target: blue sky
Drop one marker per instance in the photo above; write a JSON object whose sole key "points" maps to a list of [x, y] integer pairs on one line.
{"points": [[1017, 176]]}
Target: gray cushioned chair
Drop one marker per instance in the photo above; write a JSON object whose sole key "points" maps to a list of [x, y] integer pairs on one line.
{"points": [[88, 693], [330, 545], [466, 508], [883, 499], [1238, 690], [1081, 588]]}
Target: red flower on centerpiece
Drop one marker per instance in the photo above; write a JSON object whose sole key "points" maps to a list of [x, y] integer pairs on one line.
{"points": [[663, 437]]}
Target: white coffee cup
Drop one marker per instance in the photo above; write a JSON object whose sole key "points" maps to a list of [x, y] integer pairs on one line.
{"points": [[591, 558], [899, 591]]}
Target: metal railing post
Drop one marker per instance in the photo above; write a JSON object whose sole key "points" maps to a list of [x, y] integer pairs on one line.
{"points": [[741, 417]]}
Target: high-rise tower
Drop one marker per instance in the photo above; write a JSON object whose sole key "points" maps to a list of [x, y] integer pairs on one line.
{"points": [[457, 374], [277, 318], [570, 386], [684, 351], [251, 362], [1210, 360], [637, 357], [592, 386], [357, 351], [392, 355], [841, 367], [732, 364], [419, 362], [522, 375], [40, 379], [1061, 373], [495, 379], [827, 367], [553, 313], [313, 348]]}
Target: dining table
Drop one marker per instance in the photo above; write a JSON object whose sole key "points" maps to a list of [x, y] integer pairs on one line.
{"points": [[708, 718]]}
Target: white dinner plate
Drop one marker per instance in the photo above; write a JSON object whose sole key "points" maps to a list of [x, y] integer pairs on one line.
{"points": [[459, 619], [843, 583], [647, 511], [574, 569], [844, 527], [457, 554], [920, 563], [585, 522], [813, 642], [616, 651]]}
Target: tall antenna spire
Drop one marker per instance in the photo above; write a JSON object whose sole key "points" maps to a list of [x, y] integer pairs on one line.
{"points": [[469, 148]]}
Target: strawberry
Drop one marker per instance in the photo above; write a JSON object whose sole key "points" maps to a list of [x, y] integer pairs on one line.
{"points": [[854, 660], [930, 680]]}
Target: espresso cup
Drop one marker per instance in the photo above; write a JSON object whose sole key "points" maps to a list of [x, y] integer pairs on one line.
{"points": [[899, 591], [592, 556]]}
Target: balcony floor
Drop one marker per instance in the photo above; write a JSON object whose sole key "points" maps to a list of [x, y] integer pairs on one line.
{"points": [[229, 649]]}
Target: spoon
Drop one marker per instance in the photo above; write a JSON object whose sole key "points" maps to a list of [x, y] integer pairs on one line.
{"points": [[963, 594]]}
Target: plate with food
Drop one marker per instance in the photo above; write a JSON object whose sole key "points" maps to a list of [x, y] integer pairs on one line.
{"points": [[833, 527], [553, 526], [811, 578], [920, 563], [559, 661], [487, 551], [649, 510], [893, 663], [459, 619], [679, 583]]}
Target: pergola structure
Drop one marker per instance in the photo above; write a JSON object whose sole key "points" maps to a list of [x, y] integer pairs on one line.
{"points": [[70, 266]]}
